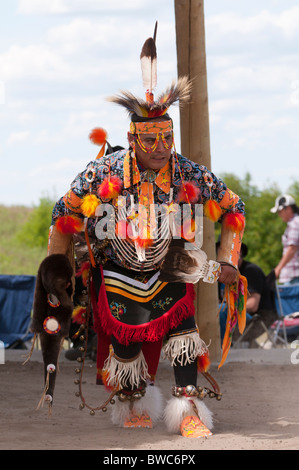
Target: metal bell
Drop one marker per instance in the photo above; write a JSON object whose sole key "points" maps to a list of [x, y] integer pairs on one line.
{"points": [[191, 390]]}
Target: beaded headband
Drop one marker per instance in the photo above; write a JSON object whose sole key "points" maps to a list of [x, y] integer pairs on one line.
{"points": [[151, 127]]}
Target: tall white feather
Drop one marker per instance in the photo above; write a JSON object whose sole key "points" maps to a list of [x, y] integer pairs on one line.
{"points": [[148, 59], [149, 72]]}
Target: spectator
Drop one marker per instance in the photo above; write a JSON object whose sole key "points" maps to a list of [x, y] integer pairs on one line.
{"points": [[259, 305], [287, 270]]}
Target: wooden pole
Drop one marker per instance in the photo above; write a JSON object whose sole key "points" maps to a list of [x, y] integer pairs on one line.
{"points": [[195, 144]]}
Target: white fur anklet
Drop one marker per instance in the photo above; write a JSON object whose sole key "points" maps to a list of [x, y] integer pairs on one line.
{"points": [[151, 404], [178, 408]]}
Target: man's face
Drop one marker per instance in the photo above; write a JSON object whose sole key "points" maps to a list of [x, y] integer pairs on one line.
{"points": [[156, 159]]}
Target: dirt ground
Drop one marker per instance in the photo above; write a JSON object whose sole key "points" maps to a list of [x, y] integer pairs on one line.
{"points": [[259, 409]]}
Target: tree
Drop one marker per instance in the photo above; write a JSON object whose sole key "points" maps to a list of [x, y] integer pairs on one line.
{"points": [[35, 230], [263, 229]]}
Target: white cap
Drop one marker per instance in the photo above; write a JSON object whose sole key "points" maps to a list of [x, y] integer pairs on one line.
{"points": [[282, 201]]}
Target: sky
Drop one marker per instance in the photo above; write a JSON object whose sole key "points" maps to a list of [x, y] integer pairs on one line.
{"points": [[61, 59]]}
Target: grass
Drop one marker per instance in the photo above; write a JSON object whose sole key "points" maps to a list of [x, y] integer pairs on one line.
{"points": [[16, 257]]}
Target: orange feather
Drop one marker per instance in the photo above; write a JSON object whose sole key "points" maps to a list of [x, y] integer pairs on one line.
{"points": [[203, 362], [212, 210], [98, 136], [110, 188], [188, 193], [89, 204], [234, 221], [69, 224]]}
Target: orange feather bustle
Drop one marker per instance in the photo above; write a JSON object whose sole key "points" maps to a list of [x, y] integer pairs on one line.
{"points": [[144, 242], [110, 188], [188, 230], [89, 204], [79, 315], [235, 222], [98, 136], [203, 362], [83, 271], [69, 224], [105, 380], [123, 230], [188, 192], [212, 210]]}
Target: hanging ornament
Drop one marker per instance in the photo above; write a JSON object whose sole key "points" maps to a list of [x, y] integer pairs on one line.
{"points": [[212, 210], [203, 362], [51, 325], [98, 136], [89, 204], [189, 230], [53, 301], [69, 224], [188, 192], [83, 272], [110, 188], [79, 314], [234, 222]]}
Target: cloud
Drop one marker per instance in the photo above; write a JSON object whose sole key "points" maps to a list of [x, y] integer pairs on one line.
{"points": [[285, 22], [32, 62], [2, 92], [51, 168], [18, 137], [29, 7]]}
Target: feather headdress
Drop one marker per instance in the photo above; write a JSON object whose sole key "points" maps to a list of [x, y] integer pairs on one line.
{"points": [[150, 108]]}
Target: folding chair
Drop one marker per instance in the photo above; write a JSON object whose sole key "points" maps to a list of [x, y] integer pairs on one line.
{"points": [[276, 332], [252, 321], [287, 304]]}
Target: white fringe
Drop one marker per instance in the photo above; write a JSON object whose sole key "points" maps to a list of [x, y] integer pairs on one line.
{"points": [[151, 403], [178, 408], [184, 349], [124, 374]]}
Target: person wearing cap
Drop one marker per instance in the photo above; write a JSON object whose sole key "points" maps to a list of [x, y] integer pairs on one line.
{"points": [[136, 313], [259, 301], [287, 270]]}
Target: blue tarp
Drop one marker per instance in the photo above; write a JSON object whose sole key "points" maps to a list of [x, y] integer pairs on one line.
{"points": [[16, 301]]}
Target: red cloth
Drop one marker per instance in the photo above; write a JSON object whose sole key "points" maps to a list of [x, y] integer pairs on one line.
{"points": [[151, 333]]}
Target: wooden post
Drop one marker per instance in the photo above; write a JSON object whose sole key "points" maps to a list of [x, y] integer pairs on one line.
{"points": [[195, 144]]}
